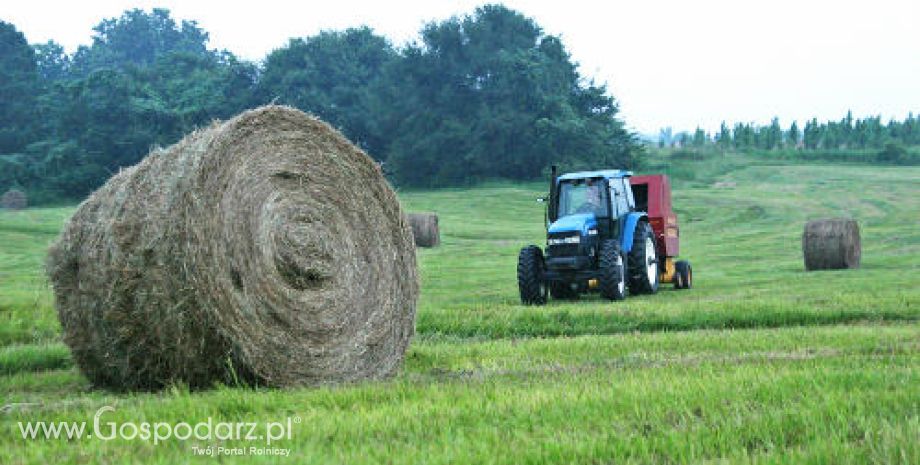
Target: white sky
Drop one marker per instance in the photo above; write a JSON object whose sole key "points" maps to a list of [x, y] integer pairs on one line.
{"points": [[673, 63]]}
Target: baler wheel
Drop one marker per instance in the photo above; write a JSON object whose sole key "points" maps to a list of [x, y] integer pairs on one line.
{"points": [[683, 275]]}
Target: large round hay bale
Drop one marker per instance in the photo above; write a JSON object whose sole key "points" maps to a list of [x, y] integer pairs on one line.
{"points": [[425, 229], [14, 199], [831, 244], [266, 249]]}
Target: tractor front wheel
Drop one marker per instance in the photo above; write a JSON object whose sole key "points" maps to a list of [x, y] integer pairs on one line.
{"points": [[530, 276], [643, 261], [612, 269]]}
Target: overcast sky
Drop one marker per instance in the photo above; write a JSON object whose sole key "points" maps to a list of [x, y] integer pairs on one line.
{"points": [[669, 63]]}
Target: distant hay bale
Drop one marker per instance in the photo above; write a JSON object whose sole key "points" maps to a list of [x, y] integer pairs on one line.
{"points": [[266, 249], [425, 229], [831, 244], [14, 199]]}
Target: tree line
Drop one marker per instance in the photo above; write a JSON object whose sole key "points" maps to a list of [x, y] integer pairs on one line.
{"points": [[848, 133], [482, 96]]}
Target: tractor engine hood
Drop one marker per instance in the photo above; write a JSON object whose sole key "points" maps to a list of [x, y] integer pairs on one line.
{"points": [[579, 222]]}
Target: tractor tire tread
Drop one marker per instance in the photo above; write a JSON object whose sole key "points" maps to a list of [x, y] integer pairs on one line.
{"points": [[530, 276], [610, 275], [638, 277]]}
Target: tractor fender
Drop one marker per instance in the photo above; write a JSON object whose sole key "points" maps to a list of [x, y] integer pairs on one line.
{"points": [[629, 229]]}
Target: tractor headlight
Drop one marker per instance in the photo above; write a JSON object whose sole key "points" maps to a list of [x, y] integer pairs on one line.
{"points": [[564, 240]]}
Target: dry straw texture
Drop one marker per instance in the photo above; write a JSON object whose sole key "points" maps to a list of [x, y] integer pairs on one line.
{"points": [[425, 229], [266, 249], [831, 244]]}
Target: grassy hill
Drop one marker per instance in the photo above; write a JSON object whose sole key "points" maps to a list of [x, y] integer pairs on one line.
{"points": [[760, 363]]}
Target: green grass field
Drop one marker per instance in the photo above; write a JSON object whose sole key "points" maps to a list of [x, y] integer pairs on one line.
{"points": [[759, 363]]}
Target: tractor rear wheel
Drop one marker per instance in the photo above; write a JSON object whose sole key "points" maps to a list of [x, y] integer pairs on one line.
{"points": [[643, 261], [530, 276], [683, 275], [612, 267]]}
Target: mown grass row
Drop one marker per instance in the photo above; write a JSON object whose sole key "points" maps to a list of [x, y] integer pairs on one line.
{"points": [[26, 312], [445, 353], [839, 394], [524, 323], [26, 358]]}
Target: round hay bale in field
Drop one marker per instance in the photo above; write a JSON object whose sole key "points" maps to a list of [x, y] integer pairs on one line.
{"points": [[831, 244], [14, 199], [266, 249], [425, 229]]}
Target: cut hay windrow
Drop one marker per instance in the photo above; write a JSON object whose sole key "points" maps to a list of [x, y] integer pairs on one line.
{"points": [[266, 249]]}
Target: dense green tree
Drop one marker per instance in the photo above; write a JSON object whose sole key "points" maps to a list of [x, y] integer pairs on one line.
{"points": [[490, 95], [743, 135], [52, 61], [138, 38], [111, 120], [847, 133], [18, 89], [195, 89], [893, 154], [811, 134], [666, 137], [724, 139], [145, 81], [332, 75], [845, 129], [910, 133], [794, 135], [700, 138], [772, 135]]}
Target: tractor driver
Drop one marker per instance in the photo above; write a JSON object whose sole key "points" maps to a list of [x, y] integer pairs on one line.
{"points": [[593, 199]]}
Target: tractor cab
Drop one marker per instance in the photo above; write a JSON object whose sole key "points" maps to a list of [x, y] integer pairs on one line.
{"points": [[599, 240], [584, 209]]}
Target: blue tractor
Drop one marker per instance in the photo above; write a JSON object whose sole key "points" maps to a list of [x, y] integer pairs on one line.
{"points": [[599, 238]]}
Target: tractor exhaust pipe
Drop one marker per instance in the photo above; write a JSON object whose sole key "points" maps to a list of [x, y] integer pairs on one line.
{"points": [[553, 174]]}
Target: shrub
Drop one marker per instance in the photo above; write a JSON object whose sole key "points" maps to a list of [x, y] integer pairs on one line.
{"points": [[14, 199], [893, 154]]}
